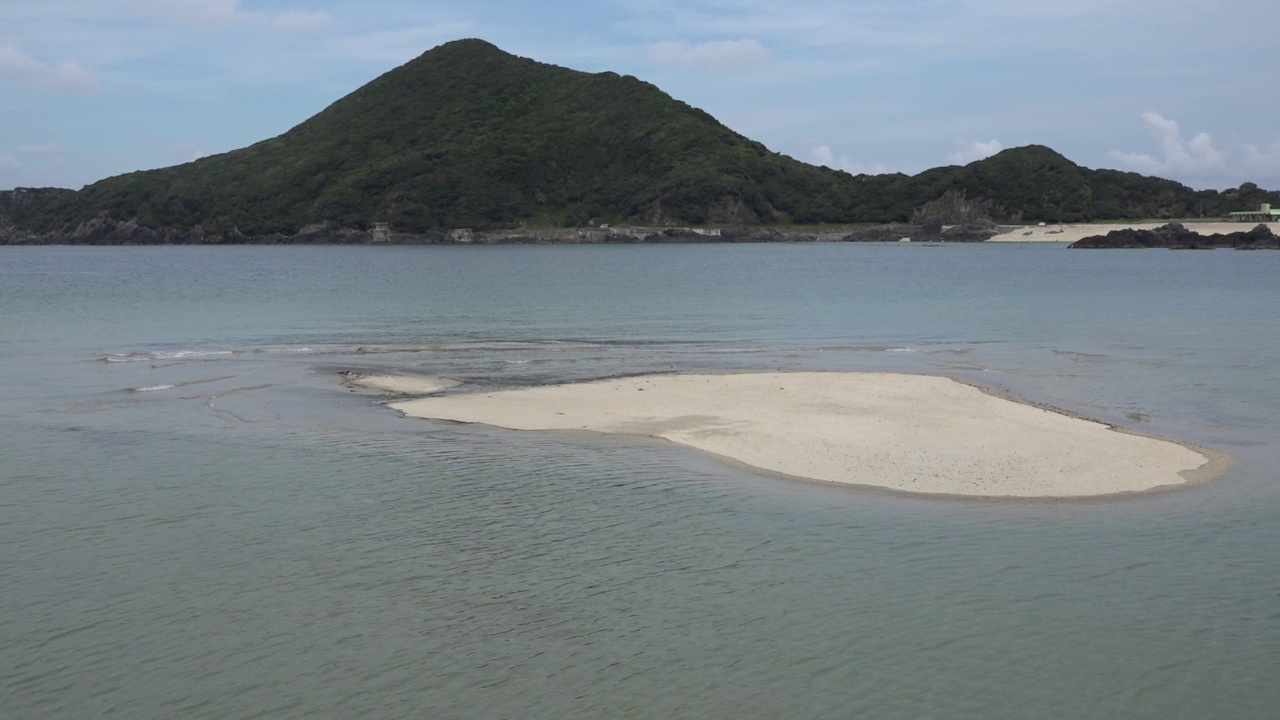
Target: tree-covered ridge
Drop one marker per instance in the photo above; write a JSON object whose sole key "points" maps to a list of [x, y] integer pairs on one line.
{"points": [[468, 136]]}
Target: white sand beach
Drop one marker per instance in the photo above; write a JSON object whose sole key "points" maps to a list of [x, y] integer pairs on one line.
{"points": [[1072, 233], [911, 433]]}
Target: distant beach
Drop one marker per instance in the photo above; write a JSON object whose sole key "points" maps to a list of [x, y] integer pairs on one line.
{"points": [[1069, 233], [908, 433]]}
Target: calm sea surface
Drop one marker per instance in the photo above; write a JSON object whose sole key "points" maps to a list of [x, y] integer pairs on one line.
{"points": [[196, 521]]}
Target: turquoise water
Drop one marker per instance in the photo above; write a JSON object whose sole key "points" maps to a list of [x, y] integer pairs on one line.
{"points": [[197, 521]]}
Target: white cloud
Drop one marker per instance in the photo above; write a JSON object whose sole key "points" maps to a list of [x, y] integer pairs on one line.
{"points": [[63, 75], [45, 149], [948, 28], [975, 150], [29, 162], [1262, 163], [1194, 158], [226, 13], [824, 155], [301, 21], [186, 152], [718, 55]]}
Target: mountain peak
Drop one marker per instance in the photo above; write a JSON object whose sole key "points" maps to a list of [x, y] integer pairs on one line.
{"points": [[466, 47], [470, 136]]}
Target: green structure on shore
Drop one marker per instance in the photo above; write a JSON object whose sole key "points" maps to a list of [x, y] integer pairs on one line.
{"points": [[1264, 213]]}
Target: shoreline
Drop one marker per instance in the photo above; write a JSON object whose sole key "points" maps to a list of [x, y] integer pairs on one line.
{"points": [[919, 434], [119, 233], [1072, 232]]}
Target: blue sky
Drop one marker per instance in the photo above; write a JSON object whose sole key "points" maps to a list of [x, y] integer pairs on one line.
{"points": [[1184, 89]]}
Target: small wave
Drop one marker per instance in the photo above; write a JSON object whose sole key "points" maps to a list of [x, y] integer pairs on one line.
{"points": [[873, 348], [393, 349], [1081, 356], [516, 346], [153, 388], [165, 355], [188, 354]]}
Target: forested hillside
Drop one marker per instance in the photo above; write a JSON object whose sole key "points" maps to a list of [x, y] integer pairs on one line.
{"points": [[468, 136]]}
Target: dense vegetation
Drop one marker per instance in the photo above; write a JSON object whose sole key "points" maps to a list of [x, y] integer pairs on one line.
{"points": [[467, 136]]}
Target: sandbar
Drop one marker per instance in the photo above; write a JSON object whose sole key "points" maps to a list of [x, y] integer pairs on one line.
{"points": [[1074, 232], [909, 433]]}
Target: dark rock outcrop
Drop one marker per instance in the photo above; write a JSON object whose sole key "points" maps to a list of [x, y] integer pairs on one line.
{"points": [[1261, 237], [768, 235], [1178, 237], [882, 233], [106, 231], [976, 231]]}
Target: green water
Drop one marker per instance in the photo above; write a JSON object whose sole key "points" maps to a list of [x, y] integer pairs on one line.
{"points": [[197, 521]]}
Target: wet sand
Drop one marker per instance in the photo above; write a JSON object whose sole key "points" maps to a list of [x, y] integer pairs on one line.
{"points": [[399, 384]]}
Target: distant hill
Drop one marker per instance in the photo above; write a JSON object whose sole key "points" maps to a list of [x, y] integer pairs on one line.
{"points": [[468, 136]]}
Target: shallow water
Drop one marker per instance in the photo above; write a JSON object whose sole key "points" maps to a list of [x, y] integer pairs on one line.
{"points": [[197, 521]]}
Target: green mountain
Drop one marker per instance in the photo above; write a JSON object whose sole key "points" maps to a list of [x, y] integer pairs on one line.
{"points": [[468, 136]]}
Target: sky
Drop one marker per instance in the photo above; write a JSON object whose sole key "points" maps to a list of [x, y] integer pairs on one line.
{"points": [[1182, 89]]}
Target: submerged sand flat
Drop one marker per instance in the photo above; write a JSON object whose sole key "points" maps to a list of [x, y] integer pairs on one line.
{"points": [[400, 384], [909, 433], [1072, 233]]}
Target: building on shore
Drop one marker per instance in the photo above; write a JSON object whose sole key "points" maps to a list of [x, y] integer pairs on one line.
{"points": [[1263, 214], [381, 233]]}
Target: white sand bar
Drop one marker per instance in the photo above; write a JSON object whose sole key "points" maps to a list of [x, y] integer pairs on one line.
{"points": [[909, 433]]}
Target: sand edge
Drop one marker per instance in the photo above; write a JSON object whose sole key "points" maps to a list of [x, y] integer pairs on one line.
{"points": [[409, 385]]}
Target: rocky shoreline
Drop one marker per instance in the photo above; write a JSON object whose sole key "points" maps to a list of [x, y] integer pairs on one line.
{"points": [[107, 231], [1177, 237], [1207, 234]]}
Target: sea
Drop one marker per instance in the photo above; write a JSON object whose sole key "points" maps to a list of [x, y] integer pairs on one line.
{"points": [[198, 520]]}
